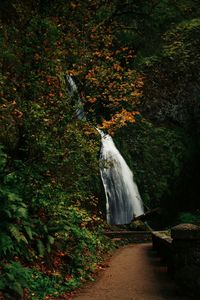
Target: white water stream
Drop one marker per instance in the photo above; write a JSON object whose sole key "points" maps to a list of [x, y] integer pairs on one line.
{"points": [[123, 200], [73, 93]]}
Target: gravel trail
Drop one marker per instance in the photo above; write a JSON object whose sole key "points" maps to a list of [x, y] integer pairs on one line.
{"points": [[133, 273]]}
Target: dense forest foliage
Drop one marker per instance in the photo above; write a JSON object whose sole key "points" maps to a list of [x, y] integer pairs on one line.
{"points": [[136, 65]]}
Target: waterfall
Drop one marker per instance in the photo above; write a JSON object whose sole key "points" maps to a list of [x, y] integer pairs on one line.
{"points": [[123, 200], [73, 93]]}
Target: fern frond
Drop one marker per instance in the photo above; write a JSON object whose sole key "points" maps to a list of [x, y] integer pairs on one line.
{"points": [[29, 232], [51, 239], [6, 244], [41, 248], [7, 213], [14, 231], [13, 197], [21, 212], [17, 288]]}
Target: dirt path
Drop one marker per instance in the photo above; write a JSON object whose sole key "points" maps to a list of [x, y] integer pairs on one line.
{"points": [[133, 273]]}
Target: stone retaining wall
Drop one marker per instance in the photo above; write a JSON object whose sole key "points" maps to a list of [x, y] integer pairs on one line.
{"points": [[181, 253], [131, 236]]}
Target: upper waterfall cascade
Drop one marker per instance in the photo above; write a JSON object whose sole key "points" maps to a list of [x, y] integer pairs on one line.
{"points": [[123, 200], [73, 92]]}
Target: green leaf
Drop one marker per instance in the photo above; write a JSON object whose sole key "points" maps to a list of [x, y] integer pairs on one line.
{"points": [[6, 244], [29, 232], [51, 239], [14, 230], [10, 277], [41, 248], [17, 288], [21, 212]]}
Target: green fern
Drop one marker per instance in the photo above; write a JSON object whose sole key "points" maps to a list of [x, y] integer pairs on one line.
{"points": [[21, 212], [15, 233], [3, 158], [29, 232], [6, 244], [41, 248], [13, 279]]}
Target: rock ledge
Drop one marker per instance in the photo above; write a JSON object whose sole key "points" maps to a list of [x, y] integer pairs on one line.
{"points": [[186, 232]]}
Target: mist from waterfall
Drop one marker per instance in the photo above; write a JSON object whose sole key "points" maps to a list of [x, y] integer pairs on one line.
{"points": [[123, 200]]}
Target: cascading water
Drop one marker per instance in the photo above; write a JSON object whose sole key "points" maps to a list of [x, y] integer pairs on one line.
{"points": [[123, 200], [122, 195], [73, 92]]}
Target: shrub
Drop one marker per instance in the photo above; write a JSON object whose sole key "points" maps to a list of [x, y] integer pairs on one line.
{"points": [[14, 278], [188, 217]]}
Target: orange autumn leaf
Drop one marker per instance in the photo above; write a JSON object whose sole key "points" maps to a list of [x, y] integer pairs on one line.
{"points": [[120, 119]]}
